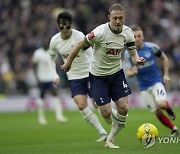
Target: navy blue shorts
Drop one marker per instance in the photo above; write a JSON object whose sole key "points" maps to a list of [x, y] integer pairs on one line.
{"points": [[80, 87], [47, 86], [105, 88]]}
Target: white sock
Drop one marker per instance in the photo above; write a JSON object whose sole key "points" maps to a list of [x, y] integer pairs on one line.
{"points": [[175, 128], [58, 108], [41, 111], [92, 119], [117, 124]]}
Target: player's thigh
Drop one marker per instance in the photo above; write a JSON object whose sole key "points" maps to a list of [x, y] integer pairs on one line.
{"points": [[53, 90], [78, 87], [50, 88], [159, 92], [100, 90], [43, 89], [148, 99]]}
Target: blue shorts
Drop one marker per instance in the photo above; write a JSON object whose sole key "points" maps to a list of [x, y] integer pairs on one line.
{"points": [[80, 87], [47, 86], [105, 88]]}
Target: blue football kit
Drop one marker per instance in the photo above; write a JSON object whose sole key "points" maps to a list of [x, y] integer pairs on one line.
{"points": [[148, 74]]}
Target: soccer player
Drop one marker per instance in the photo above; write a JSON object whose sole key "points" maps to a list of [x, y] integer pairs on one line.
{"points": [[106, 73], [149, 79], [78, 77], [42, 66]]}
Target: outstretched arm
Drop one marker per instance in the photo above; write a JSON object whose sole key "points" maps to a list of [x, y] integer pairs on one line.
{"points": [[165, 62], [67, 65], [135, 58], [56, 79]]}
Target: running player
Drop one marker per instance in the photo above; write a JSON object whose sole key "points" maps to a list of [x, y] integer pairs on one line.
{"points": [[42, 65], [78, 77], [149, 79], [106, 72]]}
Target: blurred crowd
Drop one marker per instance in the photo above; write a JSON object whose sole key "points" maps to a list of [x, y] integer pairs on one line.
{"points": [[25, 23]]}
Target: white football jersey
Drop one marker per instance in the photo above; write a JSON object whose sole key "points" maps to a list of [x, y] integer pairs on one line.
{"points": [[108, 47], [44, 68], [80, 66]]}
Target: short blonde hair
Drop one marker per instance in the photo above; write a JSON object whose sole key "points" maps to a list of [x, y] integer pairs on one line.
{"points": [[136, 28], [116, 7]]}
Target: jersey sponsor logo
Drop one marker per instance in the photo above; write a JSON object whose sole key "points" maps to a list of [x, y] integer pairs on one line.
{"points": [[91, 35], [114, 52]]}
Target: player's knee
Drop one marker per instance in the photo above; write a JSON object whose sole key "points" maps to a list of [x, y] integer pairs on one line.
{"points": [[81, 106], [161, 104], [106, 113], [123, 109], [53, 92]]}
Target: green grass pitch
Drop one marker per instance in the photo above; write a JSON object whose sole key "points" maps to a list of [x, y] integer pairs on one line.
{"points": [[20, 133]]}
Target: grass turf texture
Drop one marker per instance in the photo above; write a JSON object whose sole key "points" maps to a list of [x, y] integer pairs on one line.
{"points": [[20, 133]]}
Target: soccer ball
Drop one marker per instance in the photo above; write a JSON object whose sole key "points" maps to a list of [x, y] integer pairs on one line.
{"points": [[147, 134], [147, 128]]}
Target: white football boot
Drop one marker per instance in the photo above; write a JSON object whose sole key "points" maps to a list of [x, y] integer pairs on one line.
{"points": [[110, 144], [62, 120], [42, 121]]}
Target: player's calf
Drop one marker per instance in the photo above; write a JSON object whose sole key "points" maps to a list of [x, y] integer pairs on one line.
{"points": [[117, 124]]}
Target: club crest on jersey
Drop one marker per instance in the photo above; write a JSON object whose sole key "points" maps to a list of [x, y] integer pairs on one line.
{"points": [[114, 52], [147, 54], [91, 35]]}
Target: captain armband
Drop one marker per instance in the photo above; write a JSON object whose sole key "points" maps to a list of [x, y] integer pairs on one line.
{"points": [[131, 46]]}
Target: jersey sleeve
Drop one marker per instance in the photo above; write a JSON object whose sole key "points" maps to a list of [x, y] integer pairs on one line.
{"points": [[52, 52], [35, 57], [130, 40], [155, 48], [94, 36]]}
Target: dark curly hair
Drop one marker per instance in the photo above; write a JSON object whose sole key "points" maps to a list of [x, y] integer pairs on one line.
{"points": [[65, 16]]}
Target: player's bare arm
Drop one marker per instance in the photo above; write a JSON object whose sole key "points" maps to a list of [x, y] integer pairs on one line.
{"points": [[67, 65], [165, 62], [56, 79], [135, 58]]}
